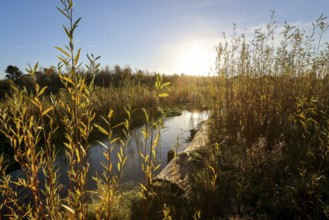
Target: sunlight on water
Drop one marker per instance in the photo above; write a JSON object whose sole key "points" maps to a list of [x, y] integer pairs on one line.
{"points": [[195, 118]]}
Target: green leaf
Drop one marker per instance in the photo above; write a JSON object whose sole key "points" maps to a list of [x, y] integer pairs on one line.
{"points": [[78, 66], [67, 32], [97, 66], [63, 12], [67, 48], [35, 67], [76, 22], [90, 60], [70, 5]]}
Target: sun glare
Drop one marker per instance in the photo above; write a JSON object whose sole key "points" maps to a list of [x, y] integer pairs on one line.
{"points": [[195, 115], [194, 119], [194, 59]]}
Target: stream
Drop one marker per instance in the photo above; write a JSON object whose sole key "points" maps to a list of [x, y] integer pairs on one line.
{"points": [[175, 131]]}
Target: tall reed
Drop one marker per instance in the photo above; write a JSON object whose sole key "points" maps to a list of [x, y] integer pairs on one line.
{"points": [[79, 115], [271, 104]]}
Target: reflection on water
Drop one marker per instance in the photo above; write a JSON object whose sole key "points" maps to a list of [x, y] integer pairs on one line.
{"points": [[174, 129]]}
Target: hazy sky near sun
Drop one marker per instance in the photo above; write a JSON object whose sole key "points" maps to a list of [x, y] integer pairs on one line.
{"points": [[167, 36]]}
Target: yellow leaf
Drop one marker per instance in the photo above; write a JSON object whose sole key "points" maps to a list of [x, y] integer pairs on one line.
{"points": [[67, 79], [42, 91], [163, 95], [101, 143], [110, 113], [46, 111], [77, 154], [106, 155], [114, 140], [101, 129], [68, 208], [37, 88], [157, 167], [63, 51], [120, 158], [143, 187], [124, 161], [76, 59]]}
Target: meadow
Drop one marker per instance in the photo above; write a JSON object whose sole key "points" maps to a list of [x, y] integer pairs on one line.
{"points": [[267, 154]]}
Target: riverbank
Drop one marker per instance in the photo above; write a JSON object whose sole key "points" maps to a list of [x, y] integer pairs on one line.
{"points": [[181, 169], [175, 184], [138, 121]]}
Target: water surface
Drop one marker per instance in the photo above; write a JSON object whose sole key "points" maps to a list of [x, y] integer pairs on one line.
{"points": [[175, 132]]}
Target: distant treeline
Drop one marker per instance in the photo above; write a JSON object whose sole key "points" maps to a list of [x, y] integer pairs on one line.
{"points": [[106, 77]]}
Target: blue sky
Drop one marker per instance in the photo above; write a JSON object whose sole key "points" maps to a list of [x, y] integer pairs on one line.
{"points": [[167, 36]]}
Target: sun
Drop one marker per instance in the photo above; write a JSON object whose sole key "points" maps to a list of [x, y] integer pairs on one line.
{"points": [[194, 59]]}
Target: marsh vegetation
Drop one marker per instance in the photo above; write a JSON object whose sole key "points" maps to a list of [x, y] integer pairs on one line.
{"points": [[267, 150]]}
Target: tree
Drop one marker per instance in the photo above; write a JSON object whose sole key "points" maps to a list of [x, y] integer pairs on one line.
{"points": [[13, 73]]}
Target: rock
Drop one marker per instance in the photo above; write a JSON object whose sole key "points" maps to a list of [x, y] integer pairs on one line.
{"points": [[170, 155]]}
